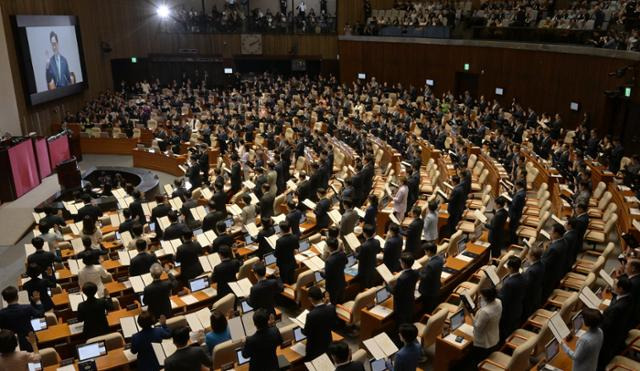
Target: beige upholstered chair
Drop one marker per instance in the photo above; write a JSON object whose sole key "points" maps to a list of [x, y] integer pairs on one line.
{"points": [[112, 341]]}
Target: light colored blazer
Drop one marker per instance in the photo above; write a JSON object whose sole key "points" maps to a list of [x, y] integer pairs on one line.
{"points": [[585, 357], [486, 324]]}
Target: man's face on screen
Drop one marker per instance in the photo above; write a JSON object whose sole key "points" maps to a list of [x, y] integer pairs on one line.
{"points": [[54, 45]]}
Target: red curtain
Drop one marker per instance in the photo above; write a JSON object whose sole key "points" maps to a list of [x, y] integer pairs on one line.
{"points": [[59, 150], [42, 153], [23, 167]]}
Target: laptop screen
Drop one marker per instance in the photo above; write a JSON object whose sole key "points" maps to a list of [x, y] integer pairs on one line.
{"points": [[457, 319], [378, 365], [152, 227], [551, 349], [577, 321], [269, 259], [39, 324], [197, 232], [351, 260], [304, 245], [462, 243], [241, 360], [382, 295], [35, 366], [276, 228], [248, 239], [229, 222], [198, 284], [318, 277], [89, 351], [298, 335], [246, 308]]}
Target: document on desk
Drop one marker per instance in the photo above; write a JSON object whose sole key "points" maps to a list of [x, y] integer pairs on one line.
{"points": [[236, 330], [320, 363], [188, 299], [76, 328], [70, 367], [451, 338], [252, 229], [381, 311], [558, 328], [380, 346], [299, 348], [463, 257], [129, 326], [75, 299], [467, 329]]}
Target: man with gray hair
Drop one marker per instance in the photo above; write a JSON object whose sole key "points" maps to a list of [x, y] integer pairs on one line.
{"points": [[157, 293]]}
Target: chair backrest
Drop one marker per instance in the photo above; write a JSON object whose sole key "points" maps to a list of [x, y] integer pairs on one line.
{"points": [[609, 224], [50, 318], [612, 208], [300, 162], [567, 306], [608, 250], [433, 328], [225, 304], [225, 353], [303, 280], [483, 176], [543, 220], [545, 207], [112, 341], [599, 191], [624, 162], [604, 201], [286, 331], [589, 281], [478, 168], [519, 360], [359, 355], [245, 269], [361, 301], [136, 132], [177, 322], [49, 357], [472, 161], [541, 190], [452, 249]]}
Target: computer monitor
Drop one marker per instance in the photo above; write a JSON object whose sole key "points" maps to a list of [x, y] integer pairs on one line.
{"points": [[198, 284], [39, 324], [269, 259], [577, 321], [457, 320], [248, 239], [378, 364], [246, 308], [551, 350], [241, 360], [304, 245], [382, 295], [228, 71], [298, 335], [318, 277], [351, 260], [90, 351], [34, 366], [229, 222]]}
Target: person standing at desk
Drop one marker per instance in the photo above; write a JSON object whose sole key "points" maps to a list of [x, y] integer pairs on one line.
{"points": [[38, 288], [534, 275], [512, 293], [408, 356], [286, 246], [226, 271], [414, 233], [334, 271], [455, 204], [392, 248], [186, 358], [141, 263], [341, 356], [486, 326], [322, 209], [157, 294], [263, 293], [517, 206], [141, 342], [93, 311], [430, 228], [44, 259], [616, 321], [404, 290], [10, 359], [17, 317], [366, 255], [187, 255], [429, 286], [321, 320], [176, 229], [585, 356], [497, 235], [400, 199], [261, 346], [349, 218]]}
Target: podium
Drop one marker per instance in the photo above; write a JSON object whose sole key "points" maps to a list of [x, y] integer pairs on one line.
{"points": [[69, 176]]}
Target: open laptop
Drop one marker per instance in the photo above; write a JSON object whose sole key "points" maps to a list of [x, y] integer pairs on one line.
{"points": [[229, 222], [577, 321], [91, 350], [39, 324], [378, 365], [457, 320], [304, 245], [298, 335], [382, 295], [241, 360], [199, 283], [269, 259], [34, 366], [318, 277], [551, 350], [248, 239], [246, 308]]}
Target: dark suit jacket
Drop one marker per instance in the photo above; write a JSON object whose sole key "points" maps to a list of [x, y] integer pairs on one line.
{"points": [[321, 212], [414, 233], [515, 209], [210, 220], [321, 320], [236, 177], [126, 226], [534, 275], [88, 210], [266, 205], [17, 318], [285, 256], [616, 323], [554, 263], [187, 255], [456, 205], [497, 235], [224, 273], [141, 263], [261, 347], [136, 211], [190, 358], [573, 246], [156, 296], [430, 277], [391, 253], [351, 366], [175, 230], [60, 79], [41, 285], [159, 211], [366, 255], [263, 294], [220, 200], [403, 296], [293, 218], [334, 272], [512, 293], [94, 314], [223, 239], [44, 259]]}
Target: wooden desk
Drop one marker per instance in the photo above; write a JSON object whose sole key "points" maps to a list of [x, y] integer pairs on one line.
{"points": [[449, 353], [113, 360], [108, 146], [54, 334], [158, 161]]}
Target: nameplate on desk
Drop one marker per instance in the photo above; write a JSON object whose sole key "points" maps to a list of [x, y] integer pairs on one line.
{"points": [[445, 275], [464, 257], [188, 299]]}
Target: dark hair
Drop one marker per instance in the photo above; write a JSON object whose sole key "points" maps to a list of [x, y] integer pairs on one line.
{"points": [[407, 259], [187, 235], [180, 336], [373, 200], [501, 201], [409, 332], [225, 251], [625, 284], [126, 213], [634, 264], [592, 317], [433, 205], [558, 228], [261, 319], [347, 203], [86, 242], [489, 293], [369, 230], [218, 322], [417, 210], [285, 226], [393, 227], [137, 229], [10, 294], [339, 350], [221, 226], [514, 263], [146, 319], [260, 269], [333, 231], [141, 244], [315, 293], [37, 242], [89, 289], [430, 247], [52, 35], [43, 227], [173, 216], [88, 225], [8, 341]]}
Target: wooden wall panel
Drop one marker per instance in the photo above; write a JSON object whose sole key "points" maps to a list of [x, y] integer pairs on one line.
{"points": [[545, 81]]}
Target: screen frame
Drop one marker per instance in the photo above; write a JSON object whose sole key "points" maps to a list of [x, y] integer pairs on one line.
{"points": [[19, 23], [455, 315], [205, 278], [104, 345]]}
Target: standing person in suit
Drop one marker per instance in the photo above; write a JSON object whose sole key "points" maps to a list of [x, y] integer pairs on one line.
{"points": [[93, 311], [236, 174], [512, 295], [414, 233], [455, 205], [404, 290], [632, 270], [366, 255], [573, 242], [392, 248], [497, 235], [349, 218], [141, 342], [219, 198], [187, 255], [266, 201], [88, 210], [341, 356], [534, 275], [286, 247], [294, 215], [157, 294], [616, 321], [371, 213], [517, 206], [226, 271], [57, 71], [334, 271], [263, 293], [223, 238], [128, 221], [17, 317], [409, 355], [413, 186], [486, 323], [136, 207], [186, 358], [321, 320], [400, 199], [261, 346], [430, 229], [141, 263], [161, 209], [582, 222], [44, 259], [554, 260], [429, 286], [585, 355], [176, 229], [322, 209], [38, 288]]}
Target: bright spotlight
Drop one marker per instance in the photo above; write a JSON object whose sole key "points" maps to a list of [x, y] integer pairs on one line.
{"points": [[163, 11]]}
